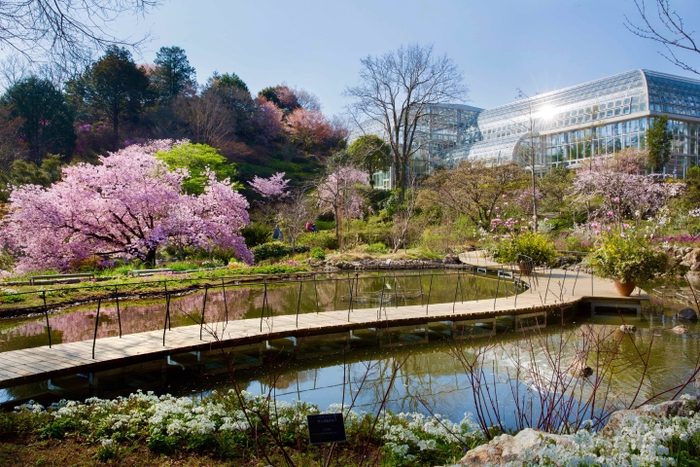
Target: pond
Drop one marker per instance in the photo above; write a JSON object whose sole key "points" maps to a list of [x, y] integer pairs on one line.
{"points": [[435, 369]]}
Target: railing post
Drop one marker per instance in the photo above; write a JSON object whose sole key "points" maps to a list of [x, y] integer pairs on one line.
{"points": [[262, 312], [204, 306], [46, 313], [498, 286], [381, 300], [119, 315], [573, 289], [316, 291], [430, 290], [546, 291], [167, 315], [223, 291], [97, 319], [301, 283], [457, 284], [350, 291], [420, 284], [396, 291]]}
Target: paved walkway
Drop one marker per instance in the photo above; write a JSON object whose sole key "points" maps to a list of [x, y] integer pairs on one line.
{"points": [[41, 363]]}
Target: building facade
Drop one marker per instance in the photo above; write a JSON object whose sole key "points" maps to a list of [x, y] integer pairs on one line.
{"points": [[566, 126]]}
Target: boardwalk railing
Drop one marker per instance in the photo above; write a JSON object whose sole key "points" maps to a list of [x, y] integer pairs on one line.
{"points": [[395, 289]]}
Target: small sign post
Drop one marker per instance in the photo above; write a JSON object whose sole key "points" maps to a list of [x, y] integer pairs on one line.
{"points": [[326, 428]]}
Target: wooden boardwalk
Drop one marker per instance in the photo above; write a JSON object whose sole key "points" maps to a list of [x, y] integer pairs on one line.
{"points": [[566, 288]]}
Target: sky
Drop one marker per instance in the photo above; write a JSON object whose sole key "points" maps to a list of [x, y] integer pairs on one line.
{"points": [[499, 45]]}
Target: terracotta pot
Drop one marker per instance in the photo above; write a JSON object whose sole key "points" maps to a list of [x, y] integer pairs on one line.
{"points": [[625, 289]]}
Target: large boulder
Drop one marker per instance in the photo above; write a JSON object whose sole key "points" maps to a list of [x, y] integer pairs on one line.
{"points": [[506, 448], [692, 257], [687, 314]]}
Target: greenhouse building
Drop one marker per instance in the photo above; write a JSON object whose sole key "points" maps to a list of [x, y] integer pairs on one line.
{"points": [[566, 126]]}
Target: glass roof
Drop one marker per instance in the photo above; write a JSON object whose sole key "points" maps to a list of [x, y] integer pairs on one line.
{"points": [[672, 94]]}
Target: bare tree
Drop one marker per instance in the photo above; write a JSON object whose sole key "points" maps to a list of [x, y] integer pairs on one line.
{"points": [[404, 216], [666, 27], [68, 30], [396, 91], [208, 118], [293, 215]]}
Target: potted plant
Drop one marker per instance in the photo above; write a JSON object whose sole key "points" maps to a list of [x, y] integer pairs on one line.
{"points": [[534, 246], [627, 258]]}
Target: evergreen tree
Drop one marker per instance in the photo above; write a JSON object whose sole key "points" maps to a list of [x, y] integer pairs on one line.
{"points": [[47, 121], [173, 73], [114, 88], [658, 139]]}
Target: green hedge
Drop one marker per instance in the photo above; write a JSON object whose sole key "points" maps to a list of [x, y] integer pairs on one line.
{"points": [[273, 250]]}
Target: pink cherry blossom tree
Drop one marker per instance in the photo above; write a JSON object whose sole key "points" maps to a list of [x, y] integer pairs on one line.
{"points": [[272, 188], [129, 205], [339, 193], [620, 187]]}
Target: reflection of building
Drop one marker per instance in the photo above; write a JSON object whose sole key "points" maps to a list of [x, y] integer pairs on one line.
{"points": [[568, 125]]}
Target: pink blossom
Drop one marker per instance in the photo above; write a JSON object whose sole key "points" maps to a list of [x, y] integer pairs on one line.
{"points": [[130, 205], [273, 187]]}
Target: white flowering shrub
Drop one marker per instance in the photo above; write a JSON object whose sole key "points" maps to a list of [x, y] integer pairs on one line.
{"points": [[230, 425]]}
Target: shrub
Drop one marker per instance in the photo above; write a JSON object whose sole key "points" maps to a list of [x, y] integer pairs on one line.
{"points": [[256, 234], [324, 239], [317, 253], [378, 248], [534, 245], [274, 250], [271, 250]]}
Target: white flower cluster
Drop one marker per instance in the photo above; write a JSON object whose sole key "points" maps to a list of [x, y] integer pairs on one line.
{"points": [[407, 433], [641, 441]]}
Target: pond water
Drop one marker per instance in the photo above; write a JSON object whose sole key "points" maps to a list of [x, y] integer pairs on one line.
{"points": [[439, 369]]}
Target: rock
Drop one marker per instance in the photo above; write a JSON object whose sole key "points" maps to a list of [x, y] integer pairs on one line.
{"points": [[687, 314], [695, 267], [662, 410], [680, 329], [694, 278], [451, 259], [628, 328], [507, 448], [579, 368], [693, 256]]}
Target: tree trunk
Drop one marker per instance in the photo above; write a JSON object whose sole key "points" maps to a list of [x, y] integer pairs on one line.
{"points": [[151, 258]]}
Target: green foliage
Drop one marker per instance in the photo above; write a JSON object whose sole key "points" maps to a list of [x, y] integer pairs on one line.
{"points": [[324, 239], [371, 153], [11, 296], [114, 88], [183, 266], [173, 73], [197, 158], [256, 234], [378, 248], [658, 142], [275, 250], [271, 250], [627, 256], [47, 121], [534, 245], [318, 253], [325, 225]]}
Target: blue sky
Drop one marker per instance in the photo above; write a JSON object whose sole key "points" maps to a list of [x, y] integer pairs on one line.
{"points": [[500, 45]]}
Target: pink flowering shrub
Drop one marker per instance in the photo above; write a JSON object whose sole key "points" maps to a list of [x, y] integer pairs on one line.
{"points": [[129, 205]]}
